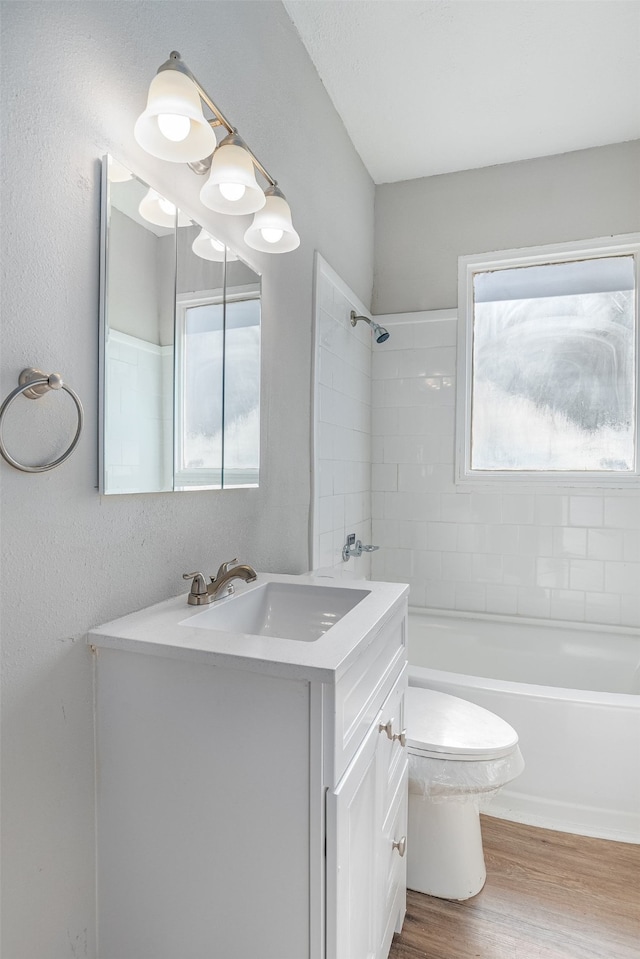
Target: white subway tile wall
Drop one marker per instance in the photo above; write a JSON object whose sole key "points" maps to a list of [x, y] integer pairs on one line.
{"points": [[342, 446], [562, 555]]}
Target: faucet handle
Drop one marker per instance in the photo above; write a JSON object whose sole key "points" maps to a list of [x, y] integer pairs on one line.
{"points": [[198, 586], [224, 568], [198, 594]]}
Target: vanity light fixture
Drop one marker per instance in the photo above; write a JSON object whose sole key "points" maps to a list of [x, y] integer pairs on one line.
{"points": [[232, 186], [173, 127], [272, 230], [208, 247]]}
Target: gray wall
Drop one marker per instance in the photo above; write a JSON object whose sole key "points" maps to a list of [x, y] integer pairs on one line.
{"points": [[423, 226], [74, 79]]}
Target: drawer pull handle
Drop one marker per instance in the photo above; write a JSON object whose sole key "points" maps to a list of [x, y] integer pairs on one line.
{"points": [[401, 846], [387, 728], [401, 737]]}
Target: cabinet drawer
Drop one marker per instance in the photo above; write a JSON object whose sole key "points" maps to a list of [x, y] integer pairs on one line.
{"points": [[393, 754], [361, 692]]}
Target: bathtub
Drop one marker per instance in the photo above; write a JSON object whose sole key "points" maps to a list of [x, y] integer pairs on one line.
{"points": [[571, 691]]}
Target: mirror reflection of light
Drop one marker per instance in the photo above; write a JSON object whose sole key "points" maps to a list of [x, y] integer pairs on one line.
{"points": [[118, 173], [174, 126], [156, 209], [166, 206]]}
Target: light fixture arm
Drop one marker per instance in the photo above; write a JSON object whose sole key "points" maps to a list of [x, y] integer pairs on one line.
{"points": [[175, 62]]}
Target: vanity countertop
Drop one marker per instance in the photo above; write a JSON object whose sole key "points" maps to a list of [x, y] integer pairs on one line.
{"points": [[164, 630]]}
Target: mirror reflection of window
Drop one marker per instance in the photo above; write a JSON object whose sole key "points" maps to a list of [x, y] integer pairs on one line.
{"points": [[218, 389], [242, 389], [199, 390], [217, 403], [199, 361]]}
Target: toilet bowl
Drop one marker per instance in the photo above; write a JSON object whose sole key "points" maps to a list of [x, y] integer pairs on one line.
{"points": [[459, 753]]}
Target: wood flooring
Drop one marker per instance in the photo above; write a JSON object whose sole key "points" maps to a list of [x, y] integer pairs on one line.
{"points": [[548, 895]]}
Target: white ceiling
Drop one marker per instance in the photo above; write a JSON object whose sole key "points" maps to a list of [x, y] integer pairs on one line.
{"points": [[443, 85]]}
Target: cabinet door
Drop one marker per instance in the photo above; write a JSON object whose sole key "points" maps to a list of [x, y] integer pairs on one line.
{"points": [[392, 784], [392, 864], [353, 826]]}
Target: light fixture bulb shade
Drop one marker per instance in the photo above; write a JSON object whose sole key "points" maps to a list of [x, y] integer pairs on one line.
{"points": [[274, 216], [157, 210], [209, 247], [173, 94], [233, 166]]}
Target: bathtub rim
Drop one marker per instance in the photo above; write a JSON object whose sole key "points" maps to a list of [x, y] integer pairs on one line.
{"points": [[533, 690], [525, 620]]}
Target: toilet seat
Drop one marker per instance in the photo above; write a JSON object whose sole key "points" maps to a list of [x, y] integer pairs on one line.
{"points": [[440, 726]]}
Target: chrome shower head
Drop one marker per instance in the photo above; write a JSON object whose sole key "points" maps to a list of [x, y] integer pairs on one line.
{"points": [[379, 332]]}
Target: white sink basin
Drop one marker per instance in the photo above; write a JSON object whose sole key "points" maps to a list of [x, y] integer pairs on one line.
{"points": [[286, 610]]}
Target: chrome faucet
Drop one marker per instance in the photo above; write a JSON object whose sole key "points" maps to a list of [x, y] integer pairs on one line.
{"points": [[200, 593]]}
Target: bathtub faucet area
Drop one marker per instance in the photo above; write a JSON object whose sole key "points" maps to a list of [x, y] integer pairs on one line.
{"points": [[356, 548]]}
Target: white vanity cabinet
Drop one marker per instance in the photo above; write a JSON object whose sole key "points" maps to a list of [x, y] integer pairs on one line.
{"points": [[250, 809]]}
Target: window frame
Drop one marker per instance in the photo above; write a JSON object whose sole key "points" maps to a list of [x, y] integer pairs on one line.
{"points": [[535, 480]]}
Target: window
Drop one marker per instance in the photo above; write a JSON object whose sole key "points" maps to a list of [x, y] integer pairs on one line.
{"points": [[547, 365]]}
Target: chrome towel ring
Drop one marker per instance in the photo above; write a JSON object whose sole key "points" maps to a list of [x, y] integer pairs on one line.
{"points": [[33, 384]]}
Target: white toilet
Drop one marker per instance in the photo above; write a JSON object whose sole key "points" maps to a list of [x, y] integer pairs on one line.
{"points": [[459, 753]]}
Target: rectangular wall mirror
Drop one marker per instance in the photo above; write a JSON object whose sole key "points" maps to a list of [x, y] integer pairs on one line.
{"points": [[179, 349]]}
